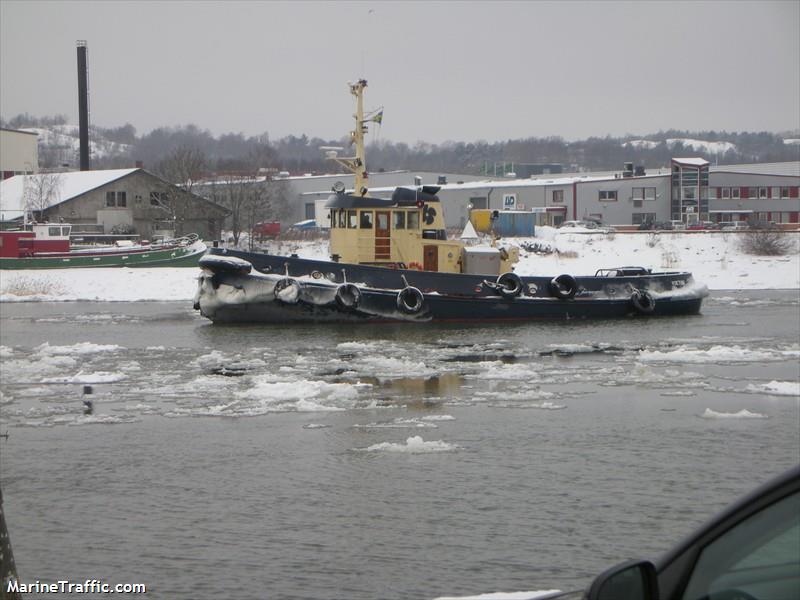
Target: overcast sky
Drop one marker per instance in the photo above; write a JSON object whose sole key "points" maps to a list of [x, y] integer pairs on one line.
{"points": [[459, 71]]}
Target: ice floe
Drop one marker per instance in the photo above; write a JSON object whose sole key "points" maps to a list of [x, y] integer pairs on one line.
{"points": [[413, 445], [776, 388], [742, 414]]}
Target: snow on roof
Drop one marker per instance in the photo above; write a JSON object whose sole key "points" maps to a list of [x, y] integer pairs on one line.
{"points": [[72, 184], [693, 162]]}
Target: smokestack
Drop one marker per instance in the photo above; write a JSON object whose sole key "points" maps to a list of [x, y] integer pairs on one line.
{"points": [[83, 104]]}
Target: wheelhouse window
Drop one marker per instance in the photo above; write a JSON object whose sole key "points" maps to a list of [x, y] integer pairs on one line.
{"points": [[607, 195], [342, 218], [366, 219], [54, 231], [412, 222], [352, 219], [399, 219], [382, 220]]}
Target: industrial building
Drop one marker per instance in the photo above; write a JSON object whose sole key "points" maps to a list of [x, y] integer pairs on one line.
{"points": [[690, 190]]}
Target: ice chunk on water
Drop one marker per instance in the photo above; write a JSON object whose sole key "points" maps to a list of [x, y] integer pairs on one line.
{"points": [[742, 414]]}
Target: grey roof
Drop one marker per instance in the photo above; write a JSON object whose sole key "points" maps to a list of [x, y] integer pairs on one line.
{"points": [[791, 168]]}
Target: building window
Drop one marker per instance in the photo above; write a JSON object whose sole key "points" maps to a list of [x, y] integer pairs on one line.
{"points": [[111, 199], [763, 192], [784, 192], [752, 193], [558, 196], [736, 193], [122, 199], [607, 196], [156, 198], [726, 193], [643, 193], [712, 193], [310, 210], [399, 219]]}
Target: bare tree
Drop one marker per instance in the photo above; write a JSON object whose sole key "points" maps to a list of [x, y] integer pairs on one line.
{"points": [[183, 166], [40, 192]]}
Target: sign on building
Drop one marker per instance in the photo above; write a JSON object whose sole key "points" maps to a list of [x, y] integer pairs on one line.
{"points": [[509, 201]]}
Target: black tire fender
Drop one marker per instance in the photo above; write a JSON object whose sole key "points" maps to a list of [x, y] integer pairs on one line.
{"points": [[509, 285], [283, 291], [348, 296], [643, 302], [564, 286], [410, 300]]}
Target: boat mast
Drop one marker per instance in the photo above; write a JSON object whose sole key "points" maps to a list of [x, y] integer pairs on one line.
{"points": [[357, 164]]}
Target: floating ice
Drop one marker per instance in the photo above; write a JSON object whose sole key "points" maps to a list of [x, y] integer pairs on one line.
{"points": [[80, 348], [81, 377], [6, 352], [413, 445], [742, 414], [776, 388], [715, 354], [503, 596]]}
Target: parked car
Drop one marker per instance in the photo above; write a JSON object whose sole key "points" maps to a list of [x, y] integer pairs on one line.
{"points": [[735, 225], [749, 551], [678, 225]]}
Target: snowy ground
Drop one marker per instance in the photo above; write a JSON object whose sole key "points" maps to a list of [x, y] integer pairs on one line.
{"points": [[713, 257]]}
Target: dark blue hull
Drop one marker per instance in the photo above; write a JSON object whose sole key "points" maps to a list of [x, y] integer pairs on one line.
{"points": [[228, 292], [451, 283]]}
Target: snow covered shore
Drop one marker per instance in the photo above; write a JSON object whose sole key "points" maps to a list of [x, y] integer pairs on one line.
{"points": [[713, 257]]}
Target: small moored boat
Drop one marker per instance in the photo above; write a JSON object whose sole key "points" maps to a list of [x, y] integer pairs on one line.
{"points": [[48, 246]]}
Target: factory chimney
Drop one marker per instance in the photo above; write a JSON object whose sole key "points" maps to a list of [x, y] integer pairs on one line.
{"points": [[83, 104]]}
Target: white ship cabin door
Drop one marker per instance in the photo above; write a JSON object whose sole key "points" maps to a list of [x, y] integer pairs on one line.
{"points": [[383, 247]]}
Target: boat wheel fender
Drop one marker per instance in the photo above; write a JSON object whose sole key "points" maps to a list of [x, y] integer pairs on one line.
{"points": [[643, 302], [410, 300], [287, 290], [509, 285], [564, 286], [348, 296]]}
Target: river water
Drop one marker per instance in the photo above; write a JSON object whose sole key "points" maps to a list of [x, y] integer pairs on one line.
{"points": [[390, 461]]}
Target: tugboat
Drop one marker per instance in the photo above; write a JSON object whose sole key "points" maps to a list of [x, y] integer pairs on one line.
{"points": [[391, 261]]}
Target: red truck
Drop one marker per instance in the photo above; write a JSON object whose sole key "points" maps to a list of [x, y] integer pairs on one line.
{"points": [[267, 229]]}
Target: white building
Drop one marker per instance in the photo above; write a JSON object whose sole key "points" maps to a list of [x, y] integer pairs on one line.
{"points": [[19, 153]]}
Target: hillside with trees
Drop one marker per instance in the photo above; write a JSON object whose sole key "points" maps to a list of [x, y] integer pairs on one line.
{"points": [[122, 146]]}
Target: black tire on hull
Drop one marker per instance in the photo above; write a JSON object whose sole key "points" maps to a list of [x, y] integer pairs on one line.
{"points": [[643, 302], [509, 285], [410, 300], [283, 291], [348, 296], [564, 286]]}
